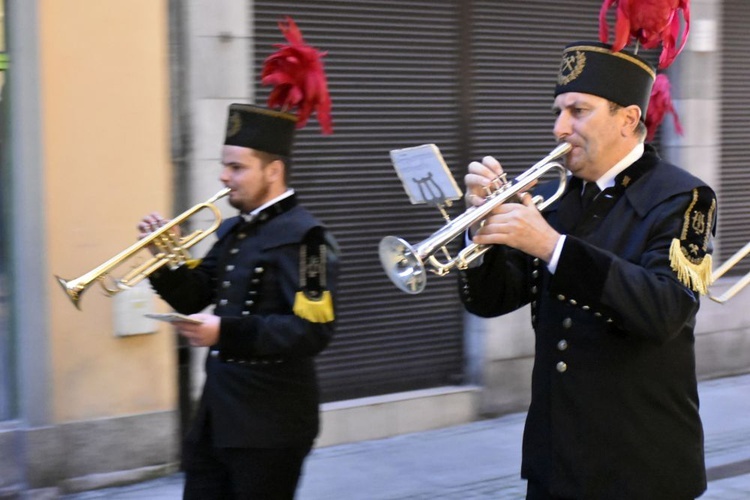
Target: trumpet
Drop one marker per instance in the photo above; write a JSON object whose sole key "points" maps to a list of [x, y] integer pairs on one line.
{"points": [[405, 264], [726, 266], [172, 250]]}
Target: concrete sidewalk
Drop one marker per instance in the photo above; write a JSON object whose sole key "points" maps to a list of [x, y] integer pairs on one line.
{"points": [[479, 460]]}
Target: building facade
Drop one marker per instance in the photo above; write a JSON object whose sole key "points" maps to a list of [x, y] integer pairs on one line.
{"points": [[111, 110]]}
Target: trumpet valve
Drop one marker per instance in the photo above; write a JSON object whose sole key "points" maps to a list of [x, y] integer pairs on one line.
{"points": [[496, 185]]}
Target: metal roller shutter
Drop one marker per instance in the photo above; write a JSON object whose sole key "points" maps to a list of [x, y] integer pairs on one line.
{"points": [[391, 68], [516, 57], [516, 48], [734, 176], [475, 78]]}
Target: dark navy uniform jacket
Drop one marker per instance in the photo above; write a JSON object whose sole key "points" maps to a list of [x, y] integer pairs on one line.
{"points": [[261, 388], [614, 408]]}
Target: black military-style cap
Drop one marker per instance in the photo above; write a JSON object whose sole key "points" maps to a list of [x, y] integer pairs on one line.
{"points": [[592, 68], [259, 128]]}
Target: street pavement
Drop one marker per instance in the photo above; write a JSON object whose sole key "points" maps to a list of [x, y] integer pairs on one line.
{"points": [[478, 460]]}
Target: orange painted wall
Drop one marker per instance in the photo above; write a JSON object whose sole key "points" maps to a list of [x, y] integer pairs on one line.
{"points": [[106, 150]]}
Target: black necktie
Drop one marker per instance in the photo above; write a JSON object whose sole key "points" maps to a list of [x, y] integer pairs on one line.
{"points": [[590, 191]]}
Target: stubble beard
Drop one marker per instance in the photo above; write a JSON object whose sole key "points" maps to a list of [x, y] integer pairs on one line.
{"points": [[249, 205]]}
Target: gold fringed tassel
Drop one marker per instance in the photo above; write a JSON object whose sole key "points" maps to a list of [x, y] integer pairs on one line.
{"points": [[697, 277], [314, 310]]}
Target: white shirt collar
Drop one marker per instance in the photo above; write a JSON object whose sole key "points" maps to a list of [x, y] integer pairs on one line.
{"points": [[250, 216], [608, 179]]}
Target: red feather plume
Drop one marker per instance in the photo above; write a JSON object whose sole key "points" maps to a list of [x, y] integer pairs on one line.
{"points": [[659, 106], [650, 22], [297, 74]]}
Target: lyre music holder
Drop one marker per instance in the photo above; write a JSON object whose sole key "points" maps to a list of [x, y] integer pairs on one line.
{"points": [[425, 176]]}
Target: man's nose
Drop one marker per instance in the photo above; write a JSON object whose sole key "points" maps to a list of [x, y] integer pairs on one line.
{"points": [[562, 127], [224, 175]]}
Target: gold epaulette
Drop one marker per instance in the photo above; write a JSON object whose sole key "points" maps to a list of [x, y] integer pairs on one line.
{"points": [[688, 255], [313, 301]]}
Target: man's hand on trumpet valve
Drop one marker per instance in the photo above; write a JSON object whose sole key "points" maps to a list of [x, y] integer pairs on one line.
{"points": [[153, 222], [480, 179], [518, 224]]}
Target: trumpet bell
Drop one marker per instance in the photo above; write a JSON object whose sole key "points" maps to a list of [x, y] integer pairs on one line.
{"points": [[402, 264], [73, 291], [74, 288]]}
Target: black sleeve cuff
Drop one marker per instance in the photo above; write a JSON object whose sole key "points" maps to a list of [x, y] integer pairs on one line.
{"points": [[581, 271], [234, 340]]}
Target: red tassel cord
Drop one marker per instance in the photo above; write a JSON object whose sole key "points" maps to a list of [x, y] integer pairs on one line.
{"points": [[659, 106]]}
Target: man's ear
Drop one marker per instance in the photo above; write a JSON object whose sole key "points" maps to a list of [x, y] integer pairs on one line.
{"points": [[275, 170], [631, 116]]}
